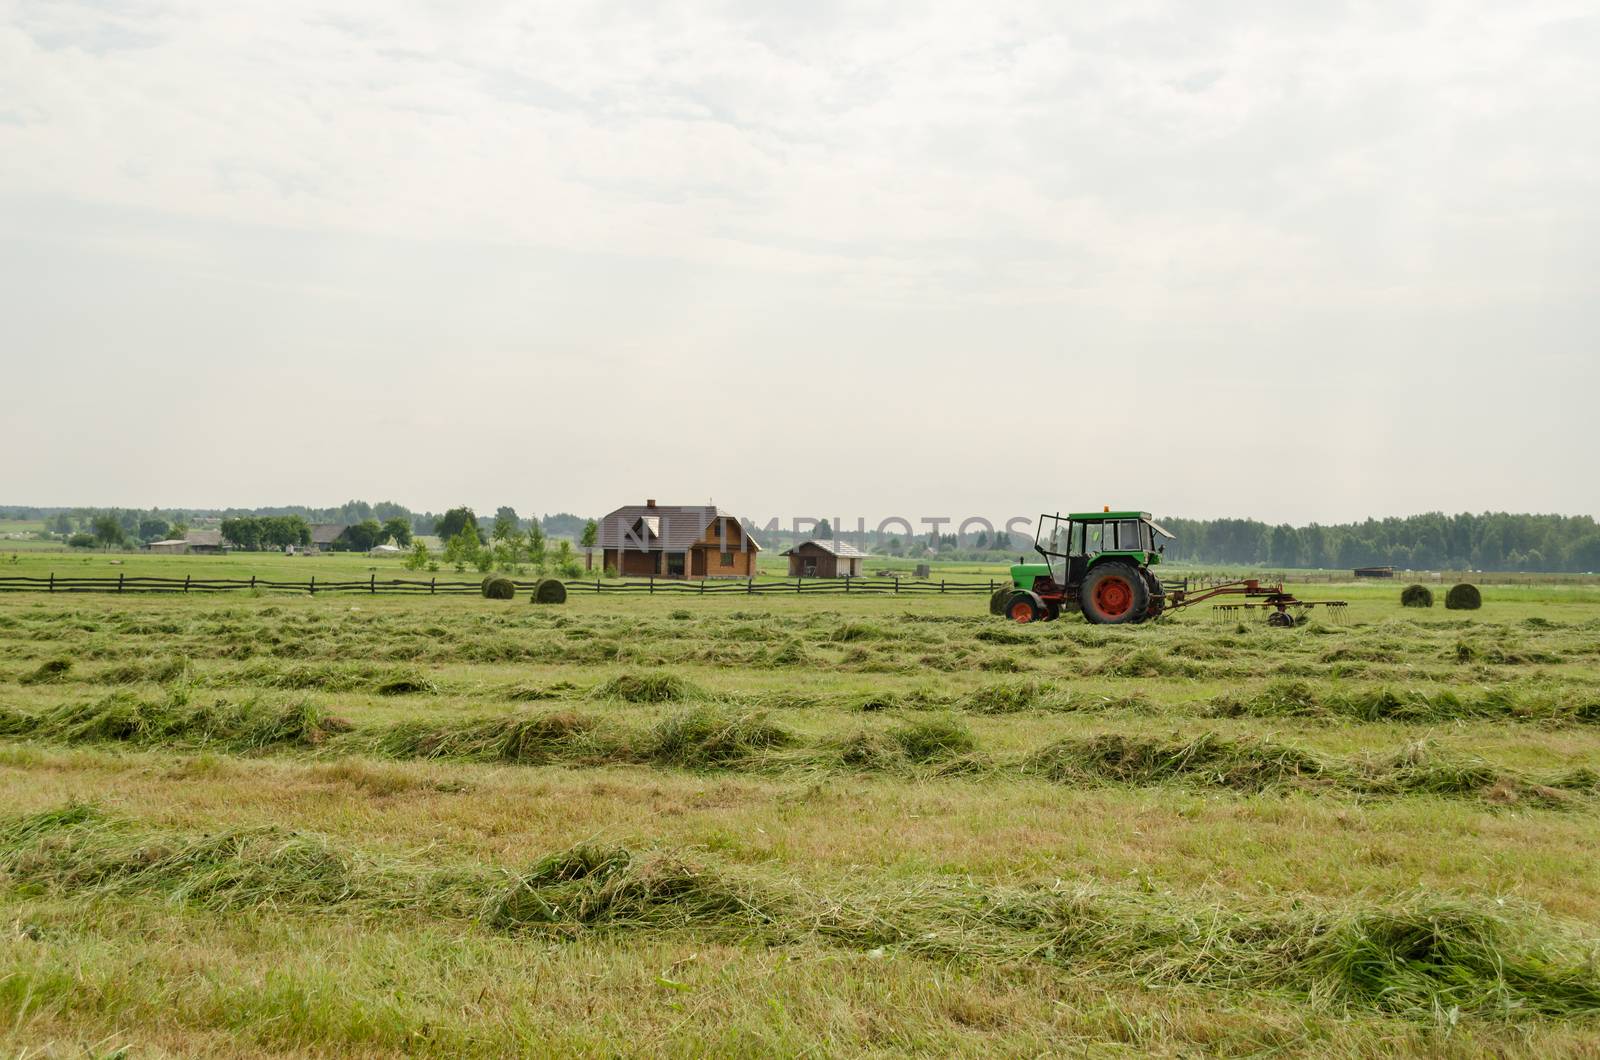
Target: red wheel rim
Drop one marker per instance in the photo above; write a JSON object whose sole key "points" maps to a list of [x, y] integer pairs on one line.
{"points": [[1022, 611], [1113, 597]]}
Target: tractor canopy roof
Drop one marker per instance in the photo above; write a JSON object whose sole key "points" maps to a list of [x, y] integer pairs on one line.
{"points": [[1108, 517]]}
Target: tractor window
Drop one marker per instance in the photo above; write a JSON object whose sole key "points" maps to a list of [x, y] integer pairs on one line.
{"points": [[1128, 535], [1099, 537], [1075, 540]]}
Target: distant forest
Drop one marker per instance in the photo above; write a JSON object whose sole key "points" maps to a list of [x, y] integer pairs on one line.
{"points": [[1492, 541], [66, 521]]}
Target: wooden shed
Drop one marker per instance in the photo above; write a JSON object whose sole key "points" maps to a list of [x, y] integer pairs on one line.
{"points": [[825, 559]]}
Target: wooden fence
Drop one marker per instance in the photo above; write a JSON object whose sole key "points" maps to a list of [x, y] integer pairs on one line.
{"points": [[434, 587]]}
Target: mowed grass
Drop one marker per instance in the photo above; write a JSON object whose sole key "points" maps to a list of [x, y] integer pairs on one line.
{"points": [[356, 825]]}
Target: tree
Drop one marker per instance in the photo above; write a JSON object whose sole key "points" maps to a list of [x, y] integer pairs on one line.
{"points": [[1284, 546], [454, 521], [398, 530], [824, 531], [180, 529], [108, 530], [591, 535], [463, 548], [505, 524], [281, 531], [362, 536], [153, 529], [62, 523], [536, 546], [245, 532], [81, 541], [566, 560], [507, 514], [418, 558]]}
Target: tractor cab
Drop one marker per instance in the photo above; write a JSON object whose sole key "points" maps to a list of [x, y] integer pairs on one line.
{"points": [[1111, 552]]}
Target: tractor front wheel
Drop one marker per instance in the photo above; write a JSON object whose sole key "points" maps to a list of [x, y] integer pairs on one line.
{"points": [[1114, 594], [1024, 608]]}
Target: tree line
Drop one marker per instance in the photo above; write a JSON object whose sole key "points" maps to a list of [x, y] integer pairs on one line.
{"points": [[1490, 541], [254, 532]]}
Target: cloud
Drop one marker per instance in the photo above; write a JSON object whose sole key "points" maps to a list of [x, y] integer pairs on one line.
{"points": [[1239, 198]]}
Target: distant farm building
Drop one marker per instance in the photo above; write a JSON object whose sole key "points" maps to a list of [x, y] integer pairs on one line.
{"points": [[1374, 572], [325, 536], [825, 559], [193, 541], [677, 541]]}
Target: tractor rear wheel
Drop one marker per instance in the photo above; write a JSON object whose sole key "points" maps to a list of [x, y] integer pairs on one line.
{"points": [[1024, 607], [1114, 594]]}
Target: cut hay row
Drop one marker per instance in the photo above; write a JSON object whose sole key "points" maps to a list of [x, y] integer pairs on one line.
{"points": [[1283, 697], [1411, 957], [709, 736]]}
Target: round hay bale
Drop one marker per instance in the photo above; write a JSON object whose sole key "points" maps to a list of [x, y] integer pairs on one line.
{"points": [[1463, 597], [1416, 596], [549, 591], [499, 587], [997, 601]]}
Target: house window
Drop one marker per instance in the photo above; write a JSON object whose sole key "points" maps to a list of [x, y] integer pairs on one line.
{"points": [[727, 559]]}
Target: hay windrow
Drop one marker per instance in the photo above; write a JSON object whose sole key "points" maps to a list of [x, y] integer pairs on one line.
{"points": [[648, 686], [1299, 698], [121, 717], [1409, 957], [721, 737]]}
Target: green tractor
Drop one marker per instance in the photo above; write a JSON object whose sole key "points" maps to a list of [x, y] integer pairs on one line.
{"points": [[1099, 561]]}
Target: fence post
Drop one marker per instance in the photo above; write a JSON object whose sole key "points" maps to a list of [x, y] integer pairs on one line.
{"points": [[252, 582], [897, 584], [941, 585], [119, 581], [749, 586], [313, 585], [372, 584], [652, 585], [702, 586], [431, 583], [52, 581], [186, 578]]}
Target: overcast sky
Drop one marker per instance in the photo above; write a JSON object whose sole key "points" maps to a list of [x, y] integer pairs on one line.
{"points": [[1292, 261]]}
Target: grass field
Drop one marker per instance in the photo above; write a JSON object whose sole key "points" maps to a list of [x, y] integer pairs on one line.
{"points": [[351, 826]]}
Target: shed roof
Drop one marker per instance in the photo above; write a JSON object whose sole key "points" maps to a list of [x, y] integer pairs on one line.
{"points": [[204, 538], [837, 548], [663, 527], [327, 533]]}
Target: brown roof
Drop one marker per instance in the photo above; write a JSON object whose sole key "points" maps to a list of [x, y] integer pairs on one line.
{"points": [[837, 548], [664, 527], [327, 533], [204, 538]]}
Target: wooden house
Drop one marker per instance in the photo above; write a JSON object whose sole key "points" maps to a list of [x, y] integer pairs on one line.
{"points": [[677, 541]]}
